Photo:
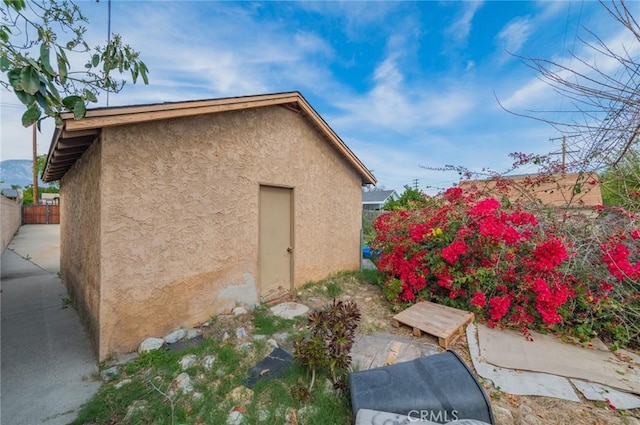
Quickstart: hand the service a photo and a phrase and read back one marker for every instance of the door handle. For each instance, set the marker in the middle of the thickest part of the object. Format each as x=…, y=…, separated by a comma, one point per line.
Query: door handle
x=289, y=250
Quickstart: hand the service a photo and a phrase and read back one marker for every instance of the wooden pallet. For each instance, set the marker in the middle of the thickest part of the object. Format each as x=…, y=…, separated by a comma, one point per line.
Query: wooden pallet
x=445, y=323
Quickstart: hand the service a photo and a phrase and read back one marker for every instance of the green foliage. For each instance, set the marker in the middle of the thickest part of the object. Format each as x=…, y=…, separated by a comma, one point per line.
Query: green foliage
x=37, y=60
x=332, y=333
x=333, y=289
x=147, y=399
x=372, y=276
x=367, y=229
x=620, y=184
x=268, y=324
x=411, y=199
x=27, y=194
x=392, y=289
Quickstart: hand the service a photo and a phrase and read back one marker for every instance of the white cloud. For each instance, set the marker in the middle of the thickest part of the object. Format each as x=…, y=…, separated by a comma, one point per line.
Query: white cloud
x=461, y=28
x=393, y=106
x=515, y=34
x=537, y=94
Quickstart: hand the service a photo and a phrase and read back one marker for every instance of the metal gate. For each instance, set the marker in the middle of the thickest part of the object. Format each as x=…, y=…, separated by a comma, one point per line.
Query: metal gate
x=41, y=214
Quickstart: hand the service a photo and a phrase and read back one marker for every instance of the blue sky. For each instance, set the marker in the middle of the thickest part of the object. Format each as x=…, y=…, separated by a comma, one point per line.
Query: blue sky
x=406, y=85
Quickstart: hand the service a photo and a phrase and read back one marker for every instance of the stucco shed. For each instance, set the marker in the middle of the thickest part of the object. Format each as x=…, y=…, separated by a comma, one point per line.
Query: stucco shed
x=174, y=212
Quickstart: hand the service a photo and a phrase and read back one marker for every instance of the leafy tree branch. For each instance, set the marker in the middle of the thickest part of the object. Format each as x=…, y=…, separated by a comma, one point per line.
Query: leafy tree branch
x=38, y=39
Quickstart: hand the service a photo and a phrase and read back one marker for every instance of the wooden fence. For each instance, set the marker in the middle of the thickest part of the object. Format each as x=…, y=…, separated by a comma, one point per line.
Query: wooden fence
x=41, y=214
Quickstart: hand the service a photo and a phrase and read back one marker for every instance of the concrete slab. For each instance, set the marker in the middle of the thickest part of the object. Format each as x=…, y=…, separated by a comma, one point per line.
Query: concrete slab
x=597, y=392
x=371, y=351
x=40, y=244
x=518, y=382
x=289, y=310
x=48, y=368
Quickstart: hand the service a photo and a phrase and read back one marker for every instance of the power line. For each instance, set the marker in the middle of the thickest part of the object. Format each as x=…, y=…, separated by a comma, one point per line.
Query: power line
x=564, y=150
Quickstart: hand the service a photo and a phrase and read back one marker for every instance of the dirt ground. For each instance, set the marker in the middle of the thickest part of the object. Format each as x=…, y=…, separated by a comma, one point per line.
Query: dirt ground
x=508, y=409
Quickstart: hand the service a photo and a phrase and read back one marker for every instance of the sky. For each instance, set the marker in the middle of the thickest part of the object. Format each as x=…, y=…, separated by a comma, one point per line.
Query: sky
x=408, y=86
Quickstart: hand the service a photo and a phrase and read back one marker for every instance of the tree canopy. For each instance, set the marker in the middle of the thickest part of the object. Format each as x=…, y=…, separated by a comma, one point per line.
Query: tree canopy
x=39, y=38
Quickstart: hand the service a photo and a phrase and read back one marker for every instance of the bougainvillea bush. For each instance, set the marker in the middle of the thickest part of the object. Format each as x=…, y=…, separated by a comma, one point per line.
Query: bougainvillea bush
x=513, y=267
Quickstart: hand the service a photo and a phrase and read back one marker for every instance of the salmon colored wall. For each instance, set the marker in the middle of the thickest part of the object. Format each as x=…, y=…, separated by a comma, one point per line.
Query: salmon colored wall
x=80, y=240
x=178, y=214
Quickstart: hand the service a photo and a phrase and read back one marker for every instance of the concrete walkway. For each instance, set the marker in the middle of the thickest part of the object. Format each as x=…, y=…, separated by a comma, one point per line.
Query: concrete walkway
x=48, y=367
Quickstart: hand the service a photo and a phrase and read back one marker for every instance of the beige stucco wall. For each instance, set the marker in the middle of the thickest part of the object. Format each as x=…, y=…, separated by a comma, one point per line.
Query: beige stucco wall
x=179, y=210
x=10, y=220
x=80, y=237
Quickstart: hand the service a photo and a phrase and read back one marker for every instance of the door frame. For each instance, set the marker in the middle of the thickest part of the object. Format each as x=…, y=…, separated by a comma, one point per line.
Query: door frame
x=291, y=235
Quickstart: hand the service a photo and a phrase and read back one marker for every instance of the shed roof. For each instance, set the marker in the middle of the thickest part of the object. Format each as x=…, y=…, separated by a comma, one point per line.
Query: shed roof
x=73, y=138
x=9, y=193
x=376, y=196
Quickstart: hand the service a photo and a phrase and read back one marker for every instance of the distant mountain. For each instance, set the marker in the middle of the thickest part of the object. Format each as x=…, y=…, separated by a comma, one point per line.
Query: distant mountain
x=17, y=172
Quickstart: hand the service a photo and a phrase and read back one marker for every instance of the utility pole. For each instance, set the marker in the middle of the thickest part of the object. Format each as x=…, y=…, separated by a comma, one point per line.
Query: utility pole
x=415, y=184
x=563, y=152
x=35, y=166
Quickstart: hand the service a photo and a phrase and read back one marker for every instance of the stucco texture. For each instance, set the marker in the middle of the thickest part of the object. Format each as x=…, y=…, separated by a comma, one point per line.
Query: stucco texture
x=80, y=243
x=10, y=219
x=178, y=216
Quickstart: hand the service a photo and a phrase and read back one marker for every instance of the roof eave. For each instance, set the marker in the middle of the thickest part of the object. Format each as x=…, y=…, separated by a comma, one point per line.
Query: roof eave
x=83, y=132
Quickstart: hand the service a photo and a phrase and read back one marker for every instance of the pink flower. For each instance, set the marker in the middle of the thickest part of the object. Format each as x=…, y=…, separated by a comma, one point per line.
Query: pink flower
x=499, y=306
x=479, y=299
x=484, y=208
x=452, y=252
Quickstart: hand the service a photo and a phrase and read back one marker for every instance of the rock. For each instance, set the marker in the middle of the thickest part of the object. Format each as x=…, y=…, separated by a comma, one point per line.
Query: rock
x=272, y=342
x=197, y=396
x=241, y=333
x=208, y=362
x=263, y=415
x=502, y=415
x=111, y=373
x=245, y=346
x=225, y=336
x=122, y=383
x=630, y=420
x=240, y=395
x=239, y=311
x=235, y=418
x=183, y=383
x=193, y=333
x=188, y=361
x=175, y=336
x=289, y=310
x=205, y=324
x=259, y=337
x=305, y=412
x=281, y=337
x=525, y=408
x=530, y=419
x=137, y=406
x=328, y=386
x=290, y=417
x=150, y=344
